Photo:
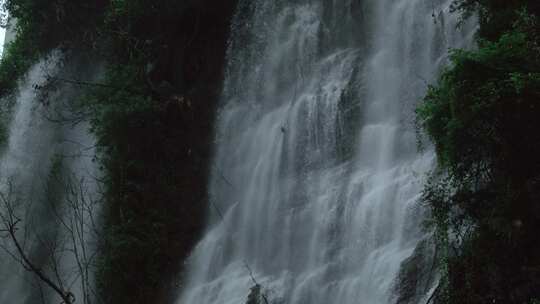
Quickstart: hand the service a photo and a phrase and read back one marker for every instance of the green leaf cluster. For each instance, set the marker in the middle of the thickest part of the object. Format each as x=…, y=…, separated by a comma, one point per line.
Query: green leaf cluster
x=482, y=117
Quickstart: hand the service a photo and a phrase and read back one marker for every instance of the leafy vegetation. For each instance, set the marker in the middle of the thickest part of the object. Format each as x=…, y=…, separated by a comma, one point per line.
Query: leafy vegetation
x=17, y=58
x=42, y=25
x=153, y=121
x=482, y=117
x=154, y=212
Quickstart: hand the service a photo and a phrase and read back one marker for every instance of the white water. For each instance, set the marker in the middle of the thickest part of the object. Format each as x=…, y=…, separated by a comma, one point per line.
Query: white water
x=316, y=171
x=55, y=206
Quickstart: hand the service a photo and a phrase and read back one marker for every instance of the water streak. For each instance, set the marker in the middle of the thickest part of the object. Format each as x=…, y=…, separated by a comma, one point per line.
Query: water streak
x=47, y=172
x=316, y=170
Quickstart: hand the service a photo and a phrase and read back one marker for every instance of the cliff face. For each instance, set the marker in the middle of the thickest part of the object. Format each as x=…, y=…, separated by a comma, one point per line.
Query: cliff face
x=170, y=145
x=192, y=62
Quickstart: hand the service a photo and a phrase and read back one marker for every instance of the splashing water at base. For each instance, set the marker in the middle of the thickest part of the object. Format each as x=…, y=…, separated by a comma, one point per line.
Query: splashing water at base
x=316, y=171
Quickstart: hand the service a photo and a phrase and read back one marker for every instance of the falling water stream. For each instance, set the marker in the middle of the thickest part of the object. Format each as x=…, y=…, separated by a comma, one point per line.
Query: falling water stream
x=48, y=175
x=316, y=178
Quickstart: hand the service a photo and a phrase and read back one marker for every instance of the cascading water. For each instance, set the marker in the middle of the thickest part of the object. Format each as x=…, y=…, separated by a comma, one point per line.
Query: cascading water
x=317, y=176
x=48, y=176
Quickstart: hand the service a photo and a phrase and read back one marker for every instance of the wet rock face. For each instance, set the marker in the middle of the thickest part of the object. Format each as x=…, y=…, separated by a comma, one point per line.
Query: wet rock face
x=185, y=72
x=190, y=62
x=192, y=44
x=417, y=275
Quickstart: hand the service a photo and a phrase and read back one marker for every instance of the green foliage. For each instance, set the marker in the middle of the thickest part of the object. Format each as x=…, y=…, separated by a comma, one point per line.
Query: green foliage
x=56, y=22
x=42, y=25
x=148, y=141
x=18, y=56
x=118, y=114
x=482, y=117
x=495, y=16
x=151, y=220
x=473, y=98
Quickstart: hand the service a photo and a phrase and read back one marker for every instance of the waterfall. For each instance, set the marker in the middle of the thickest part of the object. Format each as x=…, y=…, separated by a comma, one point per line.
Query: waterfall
x=48, y=175
x=317, y=177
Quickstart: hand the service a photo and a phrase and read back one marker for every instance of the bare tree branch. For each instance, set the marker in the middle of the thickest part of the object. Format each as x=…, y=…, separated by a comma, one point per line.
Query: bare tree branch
x=77, y=227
